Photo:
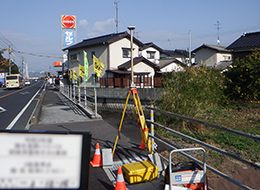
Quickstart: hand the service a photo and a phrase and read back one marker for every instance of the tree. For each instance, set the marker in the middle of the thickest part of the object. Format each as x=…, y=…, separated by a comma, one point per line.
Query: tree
x=243, y=79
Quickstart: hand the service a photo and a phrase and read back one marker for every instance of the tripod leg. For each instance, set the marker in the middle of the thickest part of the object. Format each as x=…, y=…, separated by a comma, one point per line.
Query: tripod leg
x=121, y=122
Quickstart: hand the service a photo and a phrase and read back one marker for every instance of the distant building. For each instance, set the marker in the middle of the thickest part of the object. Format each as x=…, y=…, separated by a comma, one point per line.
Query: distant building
x=245, y=45
x=213, y=56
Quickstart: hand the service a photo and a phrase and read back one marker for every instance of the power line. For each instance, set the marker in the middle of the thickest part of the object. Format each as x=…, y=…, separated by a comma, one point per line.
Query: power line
x=38, y=55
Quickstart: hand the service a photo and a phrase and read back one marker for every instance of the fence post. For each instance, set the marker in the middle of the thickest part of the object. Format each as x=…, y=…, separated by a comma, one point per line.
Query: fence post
x=74, y=95
x=85, y=92
x=71, y=91
x=152, y=127
x=79, y=96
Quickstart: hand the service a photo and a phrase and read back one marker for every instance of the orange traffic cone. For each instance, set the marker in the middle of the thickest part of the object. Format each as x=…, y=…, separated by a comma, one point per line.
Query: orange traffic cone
x=142, y=146
x=97, y=160
x=120, y=182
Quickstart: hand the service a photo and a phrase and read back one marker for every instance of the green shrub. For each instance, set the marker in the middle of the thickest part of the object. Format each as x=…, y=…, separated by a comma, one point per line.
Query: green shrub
x=192, y=92
x=243, y=79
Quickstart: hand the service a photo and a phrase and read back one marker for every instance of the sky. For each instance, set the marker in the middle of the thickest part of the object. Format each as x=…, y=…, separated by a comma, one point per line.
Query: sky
x=34, y=26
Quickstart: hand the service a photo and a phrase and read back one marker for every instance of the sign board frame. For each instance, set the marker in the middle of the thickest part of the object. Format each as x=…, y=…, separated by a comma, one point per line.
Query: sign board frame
x=17, y=139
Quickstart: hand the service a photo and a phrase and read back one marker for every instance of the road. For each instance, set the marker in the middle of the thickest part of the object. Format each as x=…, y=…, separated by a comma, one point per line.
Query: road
x=17, y=105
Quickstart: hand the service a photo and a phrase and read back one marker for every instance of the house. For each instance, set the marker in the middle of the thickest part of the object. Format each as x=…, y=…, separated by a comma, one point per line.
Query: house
x=212, y=55
x=170, y=65
x=245, y=45
x=114, y=51
x=144, y=71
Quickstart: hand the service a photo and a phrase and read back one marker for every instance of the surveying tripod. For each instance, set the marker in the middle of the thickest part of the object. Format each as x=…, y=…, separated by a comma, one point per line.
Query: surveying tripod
x=140, y=119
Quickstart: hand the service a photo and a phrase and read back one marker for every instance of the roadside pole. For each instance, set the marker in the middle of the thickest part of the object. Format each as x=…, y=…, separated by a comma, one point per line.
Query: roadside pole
x=95, y=93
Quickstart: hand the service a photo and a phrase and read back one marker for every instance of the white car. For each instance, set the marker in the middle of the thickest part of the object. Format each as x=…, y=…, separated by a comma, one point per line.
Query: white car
x=27, y=82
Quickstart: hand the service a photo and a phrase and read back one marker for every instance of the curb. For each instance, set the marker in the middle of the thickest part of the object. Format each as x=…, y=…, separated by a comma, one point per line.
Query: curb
x=38, y=108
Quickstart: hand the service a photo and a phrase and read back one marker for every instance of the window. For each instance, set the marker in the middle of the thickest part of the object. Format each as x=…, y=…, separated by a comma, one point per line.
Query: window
x=150, y=54
x=126, y=53
x=73, y=57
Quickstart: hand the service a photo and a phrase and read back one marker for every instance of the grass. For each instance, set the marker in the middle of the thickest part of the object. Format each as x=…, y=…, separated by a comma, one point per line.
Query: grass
x=243, y=117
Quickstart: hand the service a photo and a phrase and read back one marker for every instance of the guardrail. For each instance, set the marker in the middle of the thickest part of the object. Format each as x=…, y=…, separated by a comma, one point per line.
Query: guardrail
x=82, y=99
x=255, y=137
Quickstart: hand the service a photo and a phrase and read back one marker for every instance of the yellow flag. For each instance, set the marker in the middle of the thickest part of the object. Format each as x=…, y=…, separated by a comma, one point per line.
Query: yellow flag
x=75, y=75
x=70, y=74
x=98, y=66
x=81, y=71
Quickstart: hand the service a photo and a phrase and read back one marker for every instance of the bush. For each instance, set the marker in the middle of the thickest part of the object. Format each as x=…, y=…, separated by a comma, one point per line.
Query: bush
x=243, y=79
x=191, y=92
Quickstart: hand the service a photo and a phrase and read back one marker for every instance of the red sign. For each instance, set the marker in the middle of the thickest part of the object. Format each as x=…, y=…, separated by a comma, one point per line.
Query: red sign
x=68, y=21
x=57, y=64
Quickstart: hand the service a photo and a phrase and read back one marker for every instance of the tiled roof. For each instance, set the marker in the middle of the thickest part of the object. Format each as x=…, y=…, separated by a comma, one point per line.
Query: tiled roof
x=106, y=39
x=150, y=44
x=137, y=60
x=250, y=40
x=164, y=62
x=176, y=53
x=213, y=47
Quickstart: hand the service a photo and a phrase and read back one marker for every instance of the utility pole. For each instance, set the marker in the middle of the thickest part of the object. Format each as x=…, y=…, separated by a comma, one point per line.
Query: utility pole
x=9, y=49
x=189, y=64
x=116, y=3
x=217, y=25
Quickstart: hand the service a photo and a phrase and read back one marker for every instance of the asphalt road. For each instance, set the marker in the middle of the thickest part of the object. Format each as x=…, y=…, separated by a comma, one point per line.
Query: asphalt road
x=17, y=106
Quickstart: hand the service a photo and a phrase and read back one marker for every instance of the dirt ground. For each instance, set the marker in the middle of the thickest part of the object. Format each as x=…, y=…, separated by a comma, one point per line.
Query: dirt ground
x=242, y=173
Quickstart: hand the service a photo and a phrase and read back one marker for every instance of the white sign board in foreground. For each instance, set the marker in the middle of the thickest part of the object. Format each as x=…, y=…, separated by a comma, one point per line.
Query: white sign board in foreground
x=41, y=160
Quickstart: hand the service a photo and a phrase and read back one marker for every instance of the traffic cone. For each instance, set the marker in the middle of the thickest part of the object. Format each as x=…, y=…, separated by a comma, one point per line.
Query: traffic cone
x=97, y=160
x=120, y=182
x=142, y=146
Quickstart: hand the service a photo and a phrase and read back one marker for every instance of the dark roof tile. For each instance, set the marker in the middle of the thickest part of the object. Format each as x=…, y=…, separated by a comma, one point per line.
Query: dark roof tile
x=250, y=40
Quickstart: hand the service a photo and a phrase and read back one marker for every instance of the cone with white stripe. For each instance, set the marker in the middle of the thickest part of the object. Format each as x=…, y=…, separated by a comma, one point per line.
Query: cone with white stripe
x=97, y=160
x=120, y=182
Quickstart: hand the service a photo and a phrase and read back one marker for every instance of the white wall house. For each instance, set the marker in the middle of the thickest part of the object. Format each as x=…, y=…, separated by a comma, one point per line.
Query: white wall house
x=212, y=55
x=113, y=50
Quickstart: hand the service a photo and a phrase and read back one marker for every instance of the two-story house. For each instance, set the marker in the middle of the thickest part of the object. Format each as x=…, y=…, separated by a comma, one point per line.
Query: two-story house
x=114, y=51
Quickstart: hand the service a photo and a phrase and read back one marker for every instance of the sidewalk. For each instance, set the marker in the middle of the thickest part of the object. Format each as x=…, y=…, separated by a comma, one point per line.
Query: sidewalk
x=60, y=115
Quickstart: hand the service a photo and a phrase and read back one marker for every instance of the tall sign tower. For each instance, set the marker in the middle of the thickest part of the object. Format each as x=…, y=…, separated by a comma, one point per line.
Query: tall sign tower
x=68, y=32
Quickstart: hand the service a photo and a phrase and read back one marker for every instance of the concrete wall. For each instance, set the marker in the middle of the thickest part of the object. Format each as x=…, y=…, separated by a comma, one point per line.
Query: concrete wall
x=145, y=94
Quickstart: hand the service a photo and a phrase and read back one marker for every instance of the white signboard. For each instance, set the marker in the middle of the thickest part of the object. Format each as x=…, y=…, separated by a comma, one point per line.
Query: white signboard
x=40, y=161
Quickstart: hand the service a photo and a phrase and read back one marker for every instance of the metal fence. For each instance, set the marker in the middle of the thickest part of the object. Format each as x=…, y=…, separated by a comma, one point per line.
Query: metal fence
x=254, y=137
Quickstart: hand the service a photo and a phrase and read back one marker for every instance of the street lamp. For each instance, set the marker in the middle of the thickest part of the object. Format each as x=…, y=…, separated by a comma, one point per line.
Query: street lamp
x=131, y=28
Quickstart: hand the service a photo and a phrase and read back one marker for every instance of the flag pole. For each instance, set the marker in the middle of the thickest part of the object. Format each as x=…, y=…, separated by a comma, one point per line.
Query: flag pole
x=79, y=89
x=95, y=93
x=85, y=90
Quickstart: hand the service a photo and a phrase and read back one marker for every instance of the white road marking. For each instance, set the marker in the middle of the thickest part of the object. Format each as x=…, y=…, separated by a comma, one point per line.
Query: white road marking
x=2, y=109
x=10, y=126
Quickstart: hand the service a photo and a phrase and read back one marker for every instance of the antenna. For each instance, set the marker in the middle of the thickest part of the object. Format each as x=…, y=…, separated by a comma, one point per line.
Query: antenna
x=217, y=25
x=116, y=3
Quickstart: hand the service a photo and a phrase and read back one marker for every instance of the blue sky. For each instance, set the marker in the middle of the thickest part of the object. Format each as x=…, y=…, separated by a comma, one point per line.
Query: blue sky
x=34, y=26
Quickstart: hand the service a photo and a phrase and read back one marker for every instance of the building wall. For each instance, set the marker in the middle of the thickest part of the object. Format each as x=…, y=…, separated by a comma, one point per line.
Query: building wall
x=116, y=52
x=142, y=67
x=206, y=56
x=172, y=67
x=224, y=57
x=156, y=56
x=101, y=52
